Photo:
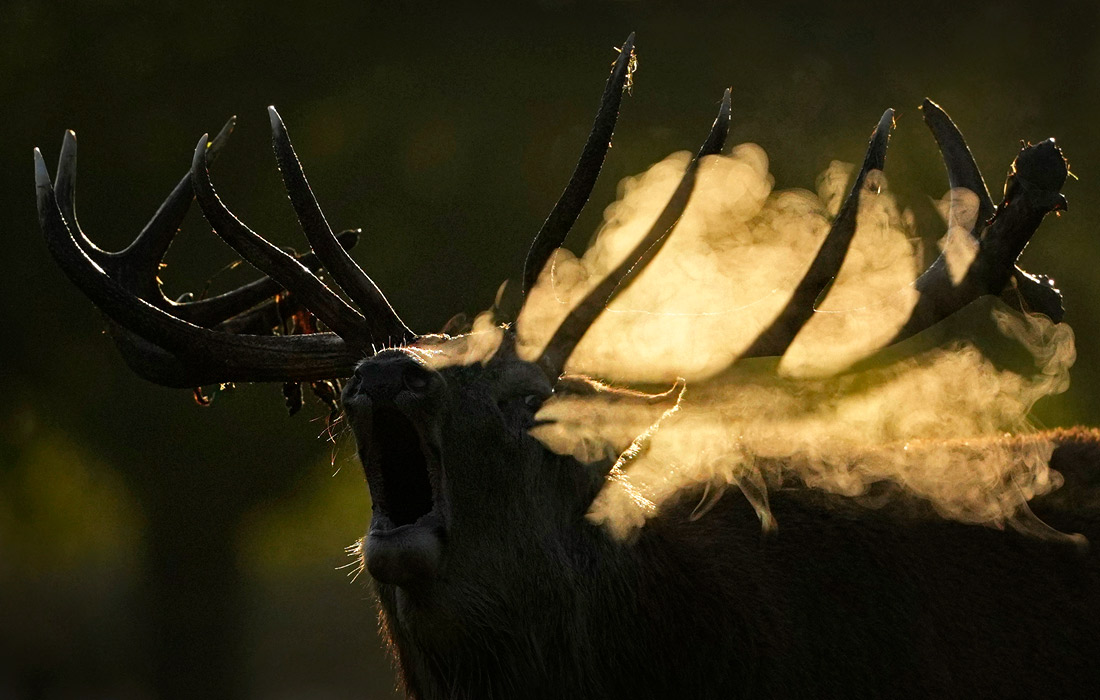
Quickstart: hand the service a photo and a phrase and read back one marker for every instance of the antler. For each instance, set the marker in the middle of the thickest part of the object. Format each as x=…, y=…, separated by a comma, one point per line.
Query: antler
x=226, y=338
x=999, y=234
x=573, y=327
x=1032, y=191
x=1037, y=291
x=776, y=338
x=568, y=207
x=137, y=266
x=382, y=320
x=229, y=337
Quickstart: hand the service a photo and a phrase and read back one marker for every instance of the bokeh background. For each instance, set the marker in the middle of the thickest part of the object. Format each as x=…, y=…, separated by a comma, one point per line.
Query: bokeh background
x=152, y=548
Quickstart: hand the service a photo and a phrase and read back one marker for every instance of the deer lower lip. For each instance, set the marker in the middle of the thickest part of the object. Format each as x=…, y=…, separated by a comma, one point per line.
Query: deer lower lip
x=405, y=555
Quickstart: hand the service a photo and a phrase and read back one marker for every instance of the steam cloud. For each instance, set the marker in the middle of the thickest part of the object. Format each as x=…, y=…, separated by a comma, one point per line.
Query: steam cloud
x=930, y=423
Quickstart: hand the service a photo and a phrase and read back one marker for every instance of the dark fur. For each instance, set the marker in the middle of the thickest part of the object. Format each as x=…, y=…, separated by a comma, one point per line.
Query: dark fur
x=841, y=601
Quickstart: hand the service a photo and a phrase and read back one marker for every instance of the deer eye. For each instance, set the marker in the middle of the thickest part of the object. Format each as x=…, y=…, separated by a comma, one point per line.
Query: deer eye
x=532, y=401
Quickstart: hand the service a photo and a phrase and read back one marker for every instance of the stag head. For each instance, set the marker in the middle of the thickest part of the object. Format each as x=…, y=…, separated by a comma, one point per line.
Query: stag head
x=473, y=517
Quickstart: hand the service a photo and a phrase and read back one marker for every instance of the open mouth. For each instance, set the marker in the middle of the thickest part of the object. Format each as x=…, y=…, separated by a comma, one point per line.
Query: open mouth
x=405, y=544
x=406, y=489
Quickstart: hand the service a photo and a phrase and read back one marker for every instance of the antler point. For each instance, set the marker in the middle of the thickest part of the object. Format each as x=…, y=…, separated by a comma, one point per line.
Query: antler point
x=41, y=173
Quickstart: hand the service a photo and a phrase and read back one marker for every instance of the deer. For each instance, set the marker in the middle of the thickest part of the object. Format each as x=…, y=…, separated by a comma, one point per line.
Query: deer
x=491, y=578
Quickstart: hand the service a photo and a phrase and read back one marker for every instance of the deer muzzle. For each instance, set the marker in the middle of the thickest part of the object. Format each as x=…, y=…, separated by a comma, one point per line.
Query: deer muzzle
x=394, y=403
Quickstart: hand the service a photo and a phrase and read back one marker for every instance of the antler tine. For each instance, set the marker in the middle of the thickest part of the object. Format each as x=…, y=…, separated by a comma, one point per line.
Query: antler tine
x=1034, y=293
x=569, y=205
x=384, y=323
x=962, y=170
x=568, y=335
x=1038, y=293
x=135, y=268
x=284, y=269
x=777, y=337
x=65, y=186
x=144, y=255
x=1031, y=192
x=719, y=130
x=214, y=310
x=182, y=354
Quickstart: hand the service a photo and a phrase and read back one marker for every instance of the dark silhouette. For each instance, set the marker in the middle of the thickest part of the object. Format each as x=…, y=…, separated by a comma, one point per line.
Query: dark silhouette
x=491, y=582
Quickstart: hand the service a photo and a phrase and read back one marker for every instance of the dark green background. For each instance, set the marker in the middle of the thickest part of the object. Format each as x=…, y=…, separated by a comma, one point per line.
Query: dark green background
x=152, y=548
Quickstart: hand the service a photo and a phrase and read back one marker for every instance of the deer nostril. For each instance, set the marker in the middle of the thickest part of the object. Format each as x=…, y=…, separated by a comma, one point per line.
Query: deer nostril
x=415, y=379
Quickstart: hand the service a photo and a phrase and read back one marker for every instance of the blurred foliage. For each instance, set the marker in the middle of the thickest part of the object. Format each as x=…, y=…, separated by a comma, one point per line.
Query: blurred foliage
x=149, y=547
x=315, y=529
x=61, y=510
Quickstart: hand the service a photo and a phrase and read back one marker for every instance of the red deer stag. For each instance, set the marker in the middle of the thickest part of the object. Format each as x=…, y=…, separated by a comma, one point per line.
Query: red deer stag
x=491, y=580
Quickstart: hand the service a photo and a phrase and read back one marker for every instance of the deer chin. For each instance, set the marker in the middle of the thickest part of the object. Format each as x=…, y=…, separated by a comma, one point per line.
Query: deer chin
x=404, y=546
x=406, y=555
